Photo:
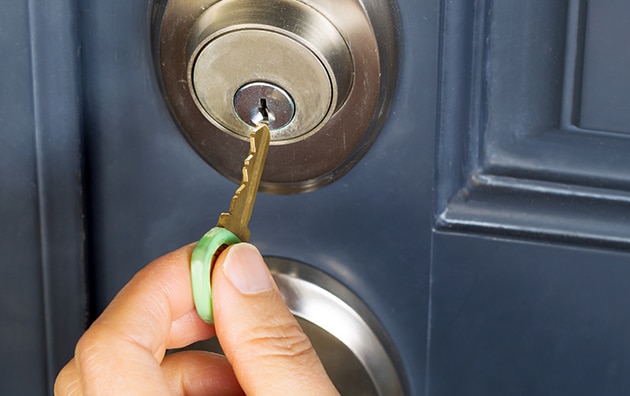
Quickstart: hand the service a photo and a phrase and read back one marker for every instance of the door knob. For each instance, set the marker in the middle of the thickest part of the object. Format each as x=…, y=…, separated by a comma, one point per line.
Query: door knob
x=320, y=72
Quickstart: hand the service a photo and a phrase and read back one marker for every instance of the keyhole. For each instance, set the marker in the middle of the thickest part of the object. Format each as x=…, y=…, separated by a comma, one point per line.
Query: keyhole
x=261, y=102
x=263, y=114
x=263, y=111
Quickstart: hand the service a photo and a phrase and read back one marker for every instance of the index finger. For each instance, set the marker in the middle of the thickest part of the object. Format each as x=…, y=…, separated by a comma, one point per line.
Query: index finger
x=152, y=313
x=155, y=309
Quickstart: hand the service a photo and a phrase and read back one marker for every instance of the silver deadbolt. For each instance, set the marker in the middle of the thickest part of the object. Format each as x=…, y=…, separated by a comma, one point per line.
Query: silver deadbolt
x=315, y=69
x=284, y=43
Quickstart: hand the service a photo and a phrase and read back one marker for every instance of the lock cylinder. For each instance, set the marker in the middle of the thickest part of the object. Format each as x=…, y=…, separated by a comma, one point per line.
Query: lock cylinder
x=263, y=102
x=245, y=54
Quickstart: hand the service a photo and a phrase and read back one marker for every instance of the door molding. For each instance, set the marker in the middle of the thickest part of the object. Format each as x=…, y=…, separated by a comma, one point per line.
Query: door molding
x=514, y=155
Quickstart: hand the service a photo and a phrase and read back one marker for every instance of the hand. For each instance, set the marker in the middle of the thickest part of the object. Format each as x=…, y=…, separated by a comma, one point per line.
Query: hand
x=123, y=352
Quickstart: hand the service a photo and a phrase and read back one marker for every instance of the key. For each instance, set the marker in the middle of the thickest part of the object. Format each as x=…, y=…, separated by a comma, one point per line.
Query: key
x=242, y=205
x=232, y=226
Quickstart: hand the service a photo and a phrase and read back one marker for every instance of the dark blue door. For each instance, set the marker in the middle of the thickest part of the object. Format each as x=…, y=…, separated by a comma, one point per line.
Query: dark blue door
x=487, y=228
x=529, y=270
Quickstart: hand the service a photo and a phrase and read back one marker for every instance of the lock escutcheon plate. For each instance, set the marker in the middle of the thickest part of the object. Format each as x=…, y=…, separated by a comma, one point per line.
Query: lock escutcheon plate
x=323, y=53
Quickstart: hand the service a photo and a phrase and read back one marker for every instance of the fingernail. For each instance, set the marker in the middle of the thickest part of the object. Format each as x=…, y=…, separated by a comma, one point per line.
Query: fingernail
x=245, y=268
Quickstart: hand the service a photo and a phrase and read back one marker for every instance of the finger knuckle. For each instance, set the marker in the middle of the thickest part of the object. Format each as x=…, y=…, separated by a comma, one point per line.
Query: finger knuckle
x=284, y=341
x=67, y=384
x=88, y=349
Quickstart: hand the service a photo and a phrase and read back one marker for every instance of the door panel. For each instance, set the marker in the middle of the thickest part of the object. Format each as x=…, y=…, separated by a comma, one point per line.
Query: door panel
x=605, y=80
x=532, y=184
x=486, y=228
x=522, y=318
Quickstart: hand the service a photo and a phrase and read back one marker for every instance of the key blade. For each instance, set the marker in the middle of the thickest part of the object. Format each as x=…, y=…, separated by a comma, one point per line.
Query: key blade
x=242, y=203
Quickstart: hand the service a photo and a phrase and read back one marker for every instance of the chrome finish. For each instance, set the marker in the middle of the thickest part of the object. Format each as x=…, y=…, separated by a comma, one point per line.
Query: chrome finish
x=263, y=102
x=335, y=58
x=346, y=335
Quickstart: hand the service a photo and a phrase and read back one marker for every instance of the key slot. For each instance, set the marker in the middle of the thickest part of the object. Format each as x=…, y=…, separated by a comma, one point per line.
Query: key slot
x=264, y=111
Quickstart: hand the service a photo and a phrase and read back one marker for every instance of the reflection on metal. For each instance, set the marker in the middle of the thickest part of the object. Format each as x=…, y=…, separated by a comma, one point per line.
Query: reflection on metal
x=345, y=334
x=335, y=60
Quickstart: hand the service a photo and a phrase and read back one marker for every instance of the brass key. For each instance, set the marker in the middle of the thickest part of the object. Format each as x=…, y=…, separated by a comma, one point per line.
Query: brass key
x=231, y=227
x=242, y=204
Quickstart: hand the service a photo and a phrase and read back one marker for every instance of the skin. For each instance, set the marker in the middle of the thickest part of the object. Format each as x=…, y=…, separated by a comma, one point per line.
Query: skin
x=123, y=352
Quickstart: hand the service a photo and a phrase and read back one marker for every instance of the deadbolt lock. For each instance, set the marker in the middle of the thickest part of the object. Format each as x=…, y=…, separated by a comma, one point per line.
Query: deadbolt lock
x=282, y=54
x=313, y=69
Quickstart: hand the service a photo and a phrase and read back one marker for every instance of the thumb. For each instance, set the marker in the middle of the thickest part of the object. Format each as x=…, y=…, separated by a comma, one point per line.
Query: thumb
x=268, y=350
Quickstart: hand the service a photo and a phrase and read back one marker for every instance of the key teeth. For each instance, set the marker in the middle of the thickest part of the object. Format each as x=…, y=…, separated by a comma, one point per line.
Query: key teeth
x=243, y=200
x=252, y=144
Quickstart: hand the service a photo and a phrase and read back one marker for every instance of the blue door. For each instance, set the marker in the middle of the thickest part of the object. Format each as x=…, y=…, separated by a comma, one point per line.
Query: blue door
x=487, y=228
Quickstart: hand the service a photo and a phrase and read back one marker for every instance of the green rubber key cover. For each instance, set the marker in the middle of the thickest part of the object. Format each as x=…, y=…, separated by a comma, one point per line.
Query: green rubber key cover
x=201, y=263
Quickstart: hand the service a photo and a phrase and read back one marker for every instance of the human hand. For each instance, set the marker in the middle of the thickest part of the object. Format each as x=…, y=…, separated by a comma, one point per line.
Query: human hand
x=123, y=352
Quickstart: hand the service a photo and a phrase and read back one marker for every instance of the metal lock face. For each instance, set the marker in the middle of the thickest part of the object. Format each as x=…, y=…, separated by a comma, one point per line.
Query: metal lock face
x=314, y=69
x=266, y=60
